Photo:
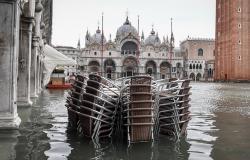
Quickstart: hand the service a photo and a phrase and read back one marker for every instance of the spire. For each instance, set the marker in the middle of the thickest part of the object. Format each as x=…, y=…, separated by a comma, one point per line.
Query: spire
x=153, y=32
x=87, y=32
x=98, y=30
x=79, y=44
x=142, y=35
x=127, y=21
x=157, y=37
x=171, y=46
x=172, y=34
x=87, y=36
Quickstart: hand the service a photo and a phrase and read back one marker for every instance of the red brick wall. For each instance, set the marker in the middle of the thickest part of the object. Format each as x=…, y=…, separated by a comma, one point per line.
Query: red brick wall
x=232, y=60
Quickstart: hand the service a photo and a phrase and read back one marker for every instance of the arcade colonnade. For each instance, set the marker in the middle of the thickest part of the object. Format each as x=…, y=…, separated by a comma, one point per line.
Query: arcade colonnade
x=22, y=40
x=116, y=68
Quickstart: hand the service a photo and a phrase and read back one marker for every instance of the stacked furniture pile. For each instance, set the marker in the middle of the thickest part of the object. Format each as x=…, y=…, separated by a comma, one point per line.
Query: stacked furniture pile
x=172, y=108
x=96, y=106
x=138, y=107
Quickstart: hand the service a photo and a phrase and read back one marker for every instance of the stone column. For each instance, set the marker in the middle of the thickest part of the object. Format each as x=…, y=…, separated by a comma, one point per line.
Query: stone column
x=33, y=78
x=9, y=38
x=37, y=73
x=38, y=10
x=23, y=81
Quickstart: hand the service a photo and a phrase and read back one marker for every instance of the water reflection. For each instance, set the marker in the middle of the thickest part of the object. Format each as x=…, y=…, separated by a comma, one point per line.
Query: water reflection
x=8, y=141
x=219, y=129
x=232, y=119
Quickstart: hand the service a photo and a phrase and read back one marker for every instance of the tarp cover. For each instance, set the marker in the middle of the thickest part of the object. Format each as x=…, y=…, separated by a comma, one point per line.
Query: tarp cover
x=52, y=59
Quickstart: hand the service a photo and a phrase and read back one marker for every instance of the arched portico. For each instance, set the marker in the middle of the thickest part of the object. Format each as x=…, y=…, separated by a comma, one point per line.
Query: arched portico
x=130, y=67
x=109, y=68
x=165, y=70
x=150, y=68
x=93, y=66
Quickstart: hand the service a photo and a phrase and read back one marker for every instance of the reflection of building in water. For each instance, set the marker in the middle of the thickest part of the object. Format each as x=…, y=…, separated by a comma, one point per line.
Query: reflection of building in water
x=130, y=54
x=199, y=58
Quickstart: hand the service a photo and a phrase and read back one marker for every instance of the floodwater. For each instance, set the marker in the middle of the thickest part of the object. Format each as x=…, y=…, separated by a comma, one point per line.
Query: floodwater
x=219, y=129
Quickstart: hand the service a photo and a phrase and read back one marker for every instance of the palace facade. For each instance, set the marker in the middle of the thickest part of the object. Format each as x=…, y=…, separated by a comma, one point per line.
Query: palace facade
x=199, y=58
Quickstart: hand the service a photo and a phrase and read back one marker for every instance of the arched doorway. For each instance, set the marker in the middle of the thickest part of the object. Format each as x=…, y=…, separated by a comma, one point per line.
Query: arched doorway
x=165, y=70
x=192, y=76
x=93, y=66
x=109, y=68
x=130, y=67
x=150, y=68
x=129, y=48
x=198, y=77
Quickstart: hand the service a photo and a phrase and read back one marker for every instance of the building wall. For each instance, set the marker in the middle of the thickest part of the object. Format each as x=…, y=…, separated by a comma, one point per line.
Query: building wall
x=199, y=67
x=47, y=19
x=128, y=54
x=232, y=40
x=72, y=53
x=146, y=56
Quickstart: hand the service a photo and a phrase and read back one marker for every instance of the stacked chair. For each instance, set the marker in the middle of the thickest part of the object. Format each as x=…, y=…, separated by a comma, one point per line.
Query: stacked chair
x=172, y=104
x=96, y=108
x=136, y=108
x=74, y=100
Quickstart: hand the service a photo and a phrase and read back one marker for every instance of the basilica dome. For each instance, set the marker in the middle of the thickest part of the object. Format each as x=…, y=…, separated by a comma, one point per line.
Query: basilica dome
x=153, y=39
x=97, y=37
x=125, y=30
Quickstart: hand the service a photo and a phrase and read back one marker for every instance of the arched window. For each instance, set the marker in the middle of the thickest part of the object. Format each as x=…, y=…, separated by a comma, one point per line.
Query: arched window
x=200, y=52
x=200, y=66
x=197, y=66
x=193, y=66
x=190, y=66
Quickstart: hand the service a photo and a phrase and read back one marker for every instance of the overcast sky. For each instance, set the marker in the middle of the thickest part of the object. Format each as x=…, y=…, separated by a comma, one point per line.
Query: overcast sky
x=71, y=19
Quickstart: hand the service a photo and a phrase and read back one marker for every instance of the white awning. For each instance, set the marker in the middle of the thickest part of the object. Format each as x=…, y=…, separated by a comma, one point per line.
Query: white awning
x=54, y=58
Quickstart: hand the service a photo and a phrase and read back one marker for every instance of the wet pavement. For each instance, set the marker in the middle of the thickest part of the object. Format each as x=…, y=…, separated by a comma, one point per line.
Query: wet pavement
x=219, y=129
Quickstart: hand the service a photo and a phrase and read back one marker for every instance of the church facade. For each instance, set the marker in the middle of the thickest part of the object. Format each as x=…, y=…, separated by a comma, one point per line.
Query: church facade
x=130, y=54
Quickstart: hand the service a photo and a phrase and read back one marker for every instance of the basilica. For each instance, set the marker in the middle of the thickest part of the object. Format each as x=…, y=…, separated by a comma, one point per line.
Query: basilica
x=131, y=54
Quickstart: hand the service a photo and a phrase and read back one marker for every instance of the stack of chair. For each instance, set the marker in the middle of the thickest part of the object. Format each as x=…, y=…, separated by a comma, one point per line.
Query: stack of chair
x=97, y=108
x=138, y=110
x=74, y=100
x=173, y=104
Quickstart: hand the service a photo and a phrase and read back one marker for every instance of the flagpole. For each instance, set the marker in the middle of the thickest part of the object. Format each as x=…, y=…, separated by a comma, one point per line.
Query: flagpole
x=102, y=69
x=171, y=47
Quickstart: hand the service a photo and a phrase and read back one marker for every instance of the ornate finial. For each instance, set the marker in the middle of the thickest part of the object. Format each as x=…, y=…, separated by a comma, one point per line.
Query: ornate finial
x=98, y=28
x=152, y=32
